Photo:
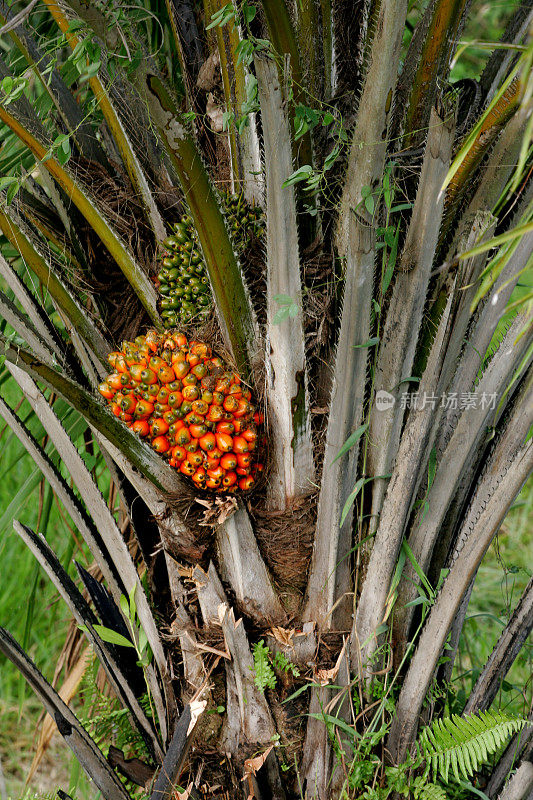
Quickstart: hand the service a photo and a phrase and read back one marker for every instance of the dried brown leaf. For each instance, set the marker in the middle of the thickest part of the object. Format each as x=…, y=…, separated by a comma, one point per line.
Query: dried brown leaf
x=283, y=635
x=325, y=676
x=253, y=765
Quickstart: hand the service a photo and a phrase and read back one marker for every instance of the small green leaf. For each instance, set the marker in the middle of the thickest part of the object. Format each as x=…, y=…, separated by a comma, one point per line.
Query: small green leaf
x=249, y=12
x=75, y=25
x=143, y=640
x=301, y=690
x=288, y=308
x=133, y=604
x=124, y=605
x=391, y=263
x=300, y=175
x=389, y=234
x=111, y=636
x=331, y=157
x=11, y=192
x=387, y=193
x=281, y=315
x=350, y=441
x=417, y=568
x=62, y=157
x=7, y=84
x=283, y=299
x=370, y=204
x=222, y=16
x=7, y=180
x=351, y=499
x=227, y=118
x=281, y=662
x=418, y=601
x=264, y=675
x=432, y=467
x=369, y=343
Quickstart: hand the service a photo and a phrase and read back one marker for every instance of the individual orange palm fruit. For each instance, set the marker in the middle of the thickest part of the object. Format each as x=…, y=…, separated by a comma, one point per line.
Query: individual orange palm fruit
x=200, y=477
x=216, y=473
x=250, y=433
x=148, y=376
x=143, y=409
x=197, y=429
x=179, y=453
x=159, y=427
x=106, y=391
x=166, y=374
x=128, y=404
x=114, y=381
x=141, y=427
x=215, y=414
x=229, y=479
x=186, y=468
x=192, y=407
x=196, y=458
x=121, y=365
x=208, y=442
x=240, y=445
x=210, y=462
x=161, y=444
x=224, y=442
x=136, y=371
x=229, y=461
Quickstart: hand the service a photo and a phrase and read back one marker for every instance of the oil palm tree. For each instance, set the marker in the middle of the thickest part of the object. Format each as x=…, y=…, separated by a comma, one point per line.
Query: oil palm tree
x=314, y=610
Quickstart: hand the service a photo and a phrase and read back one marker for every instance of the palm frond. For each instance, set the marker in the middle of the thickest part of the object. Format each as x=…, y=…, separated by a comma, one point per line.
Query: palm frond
x=85, y=618
x=287, y=393
x=83, y=747
x=503, y=655
x=396, y=359
x=510, y=456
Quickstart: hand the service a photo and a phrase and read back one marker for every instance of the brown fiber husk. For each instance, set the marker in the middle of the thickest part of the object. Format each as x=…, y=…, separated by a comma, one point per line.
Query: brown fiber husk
x=286, y=540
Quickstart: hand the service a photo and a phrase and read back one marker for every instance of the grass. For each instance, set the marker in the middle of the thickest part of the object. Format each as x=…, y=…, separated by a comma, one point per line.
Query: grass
x=502, y=577
x=30, y=610
x=486, y=22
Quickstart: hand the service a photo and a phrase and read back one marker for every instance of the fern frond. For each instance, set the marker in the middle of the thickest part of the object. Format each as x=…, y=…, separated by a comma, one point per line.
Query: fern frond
x=431, y=791
x=106, y=720
x=464, y=743
x=264, y=675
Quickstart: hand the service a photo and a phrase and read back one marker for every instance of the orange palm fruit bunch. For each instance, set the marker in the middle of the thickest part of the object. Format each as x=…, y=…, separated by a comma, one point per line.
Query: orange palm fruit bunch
x=191, y=406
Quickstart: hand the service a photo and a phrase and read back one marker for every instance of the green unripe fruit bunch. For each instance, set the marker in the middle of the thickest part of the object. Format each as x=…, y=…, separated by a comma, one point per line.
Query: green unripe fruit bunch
x=245, y=220
x=182, y=280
